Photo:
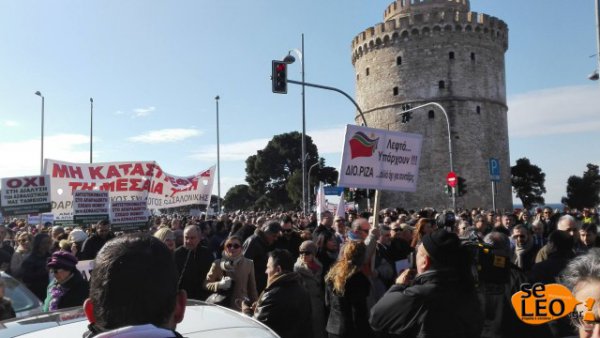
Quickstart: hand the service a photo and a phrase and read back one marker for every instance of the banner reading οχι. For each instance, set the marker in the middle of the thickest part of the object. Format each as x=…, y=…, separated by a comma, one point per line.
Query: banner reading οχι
x=25, y=195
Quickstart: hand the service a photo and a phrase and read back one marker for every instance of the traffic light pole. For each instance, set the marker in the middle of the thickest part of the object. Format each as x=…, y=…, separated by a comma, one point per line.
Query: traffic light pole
x=377, y=195
x=335, y=90
x=449, y=142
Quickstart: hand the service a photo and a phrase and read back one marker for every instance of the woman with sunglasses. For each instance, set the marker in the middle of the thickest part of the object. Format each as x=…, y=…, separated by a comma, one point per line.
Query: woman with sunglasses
x=68, y=288
x=235, y=271
x=23, y=250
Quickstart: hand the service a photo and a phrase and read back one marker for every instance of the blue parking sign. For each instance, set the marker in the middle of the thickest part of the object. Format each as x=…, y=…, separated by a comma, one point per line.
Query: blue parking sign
x=494, y=165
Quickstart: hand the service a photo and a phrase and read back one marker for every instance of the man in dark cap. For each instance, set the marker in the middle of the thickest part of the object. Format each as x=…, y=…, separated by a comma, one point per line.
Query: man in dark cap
x=437, y=303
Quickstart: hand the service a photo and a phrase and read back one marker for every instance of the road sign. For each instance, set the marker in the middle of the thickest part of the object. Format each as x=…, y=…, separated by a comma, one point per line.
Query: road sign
x=333, y=190
x=494, y=165
x=451, y=179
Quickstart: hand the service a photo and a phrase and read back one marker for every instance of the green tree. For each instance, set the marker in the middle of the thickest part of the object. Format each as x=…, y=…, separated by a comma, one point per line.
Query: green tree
x=583, y=192
x=238, y=197
x=528, y=182
x=269, y=171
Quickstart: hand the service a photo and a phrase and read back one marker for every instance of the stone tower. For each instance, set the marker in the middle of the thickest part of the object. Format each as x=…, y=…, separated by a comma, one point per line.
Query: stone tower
x=439, y=51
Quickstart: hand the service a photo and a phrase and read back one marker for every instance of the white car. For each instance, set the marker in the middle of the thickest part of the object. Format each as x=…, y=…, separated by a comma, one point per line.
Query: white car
x=24, y=302
x=201, y=320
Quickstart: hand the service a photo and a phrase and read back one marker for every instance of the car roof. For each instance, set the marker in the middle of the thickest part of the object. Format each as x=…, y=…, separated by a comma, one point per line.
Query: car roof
x=201, y=320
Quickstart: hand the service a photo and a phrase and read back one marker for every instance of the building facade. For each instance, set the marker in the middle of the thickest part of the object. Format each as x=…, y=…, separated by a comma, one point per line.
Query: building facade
x=439, y=51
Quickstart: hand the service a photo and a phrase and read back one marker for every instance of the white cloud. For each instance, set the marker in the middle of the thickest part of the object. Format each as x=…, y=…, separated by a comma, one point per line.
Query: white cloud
x=10, y=123
x=143, y=112
x=118, y=112
x=23, y=157
x=554, y=111
x=165, y=136
x=328, y=141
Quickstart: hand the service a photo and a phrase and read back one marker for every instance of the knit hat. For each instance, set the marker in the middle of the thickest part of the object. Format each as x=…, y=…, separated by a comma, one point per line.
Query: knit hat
x=308, y=246
x=77, y=235
x=63, y=260
x=442, y=246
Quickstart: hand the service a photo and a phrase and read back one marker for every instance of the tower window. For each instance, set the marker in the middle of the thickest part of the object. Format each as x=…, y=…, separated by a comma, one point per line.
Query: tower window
x=472, y=56
x=441, y=84
x=395, y=91
x=399, y=60
x=367, y=71
x=431, y=114
x=357, y=76
x=478, y=110
x=451, y=55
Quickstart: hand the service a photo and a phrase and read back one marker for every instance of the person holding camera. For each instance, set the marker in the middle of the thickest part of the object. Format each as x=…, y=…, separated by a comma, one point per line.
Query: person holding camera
x=436, y=300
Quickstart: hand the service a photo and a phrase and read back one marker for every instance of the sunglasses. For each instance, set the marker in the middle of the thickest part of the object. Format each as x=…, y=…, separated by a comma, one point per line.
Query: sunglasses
x=55, y=270
x=305, y=253
x=287, y=230
x=396, y=229
x=233, y=246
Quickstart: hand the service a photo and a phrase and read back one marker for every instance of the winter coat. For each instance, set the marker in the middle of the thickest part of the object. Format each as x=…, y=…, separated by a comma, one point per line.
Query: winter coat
x=284, y=306
x=35, y=274
x=244, y=283
x=433, y=306
x=193, y=267
x=348, y=313
x=257, y=249
x=76, y=290
x=92, y=245
x=313, y=282
x=17, y=260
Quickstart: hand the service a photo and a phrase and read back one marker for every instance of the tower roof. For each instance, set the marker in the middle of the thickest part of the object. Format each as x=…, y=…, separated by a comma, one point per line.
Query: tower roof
x=401, y=8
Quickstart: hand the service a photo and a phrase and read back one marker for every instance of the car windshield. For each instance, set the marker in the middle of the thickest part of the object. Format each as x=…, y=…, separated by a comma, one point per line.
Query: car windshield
x=22, y=299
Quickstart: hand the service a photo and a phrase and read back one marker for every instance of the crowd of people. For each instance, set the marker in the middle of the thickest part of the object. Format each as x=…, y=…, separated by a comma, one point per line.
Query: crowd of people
x=397, y=274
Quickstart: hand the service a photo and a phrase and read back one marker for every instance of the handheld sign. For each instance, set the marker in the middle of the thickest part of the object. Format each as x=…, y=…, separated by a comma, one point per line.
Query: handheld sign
x=380, y=159
x=25, y=195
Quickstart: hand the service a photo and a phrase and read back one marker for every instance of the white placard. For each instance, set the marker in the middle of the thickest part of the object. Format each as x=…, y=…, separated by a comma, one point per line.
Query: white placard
x=380, y=159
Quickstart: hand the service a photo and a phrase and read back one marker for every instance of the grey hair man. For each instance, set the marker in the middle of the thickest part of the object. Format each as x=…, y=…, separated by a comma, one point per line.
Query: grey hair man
x=566, y=223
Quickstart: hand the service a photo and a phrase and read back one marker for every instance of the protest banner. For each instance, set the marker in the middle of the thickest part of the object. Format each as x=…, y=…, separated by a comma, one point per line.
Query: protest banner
x=128, y=215
x=380, y=159
x=25, y=195
x=89, y=207
x=125, y=181
x=40, y=219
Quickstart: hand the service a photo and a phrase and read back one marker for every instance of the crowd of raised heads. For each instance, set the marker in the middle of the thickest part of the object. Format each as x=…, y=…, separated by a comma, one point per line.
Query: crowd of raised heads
x=350, y=275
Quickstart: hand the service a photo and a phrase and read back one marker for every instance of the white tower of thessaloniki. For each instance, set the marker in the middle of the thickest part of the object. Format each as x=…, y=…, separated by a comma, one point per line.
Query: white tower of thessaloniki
x=439, y=51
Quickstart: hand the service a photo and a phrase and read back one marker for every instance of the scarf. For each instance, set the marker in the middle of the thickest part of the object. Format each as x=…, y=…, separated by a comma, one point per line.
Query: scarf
x=520, y=251
x=57, y=292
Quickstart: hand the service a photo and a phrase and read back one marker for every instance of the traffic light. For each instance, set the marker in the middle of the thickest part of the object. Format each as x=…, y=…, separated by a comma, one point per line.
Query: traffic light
x=279, y=77
x=406, y=117
x=461, y=186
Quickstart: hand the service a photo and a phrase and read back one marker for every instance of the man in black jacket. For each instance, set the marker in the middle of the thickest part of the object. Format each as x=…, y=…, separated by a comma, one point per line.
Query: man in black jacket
x=436, y=303
x=94, y=243
x=193, y=263
x=256, y=248
x=284, y=306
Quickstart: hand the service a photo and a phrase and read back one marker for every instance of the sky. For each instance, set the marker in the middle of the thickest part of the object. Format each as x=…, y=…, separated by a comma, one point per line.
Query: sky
x=153, y=69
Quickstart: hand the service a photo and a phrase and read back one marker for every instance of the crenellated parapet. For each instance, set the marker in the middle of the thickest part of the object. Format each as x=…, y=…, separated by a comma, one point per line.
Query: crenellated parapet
x=401, y=8
x=424, y=24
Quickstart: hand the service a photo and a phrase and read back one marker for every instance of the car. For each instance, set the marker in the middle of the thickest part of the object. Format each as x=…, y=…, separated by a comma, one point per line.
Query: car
x=24, y=302
x=201, y=320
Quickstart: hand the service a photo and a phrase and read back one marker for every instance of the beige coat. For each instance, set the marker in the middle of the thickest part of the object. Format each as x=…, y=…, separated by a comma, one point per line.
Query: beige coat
x=244, y=283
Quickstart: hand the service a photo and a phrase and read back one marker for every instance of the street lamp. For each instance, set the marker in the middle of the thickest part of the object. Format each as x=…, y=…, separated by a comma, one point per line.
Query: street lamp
x=91, y=125
x=449, y=141
x=38, y=93
x=309, y=170
x=594, y=76
x=290, y=59
x=218, y=160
